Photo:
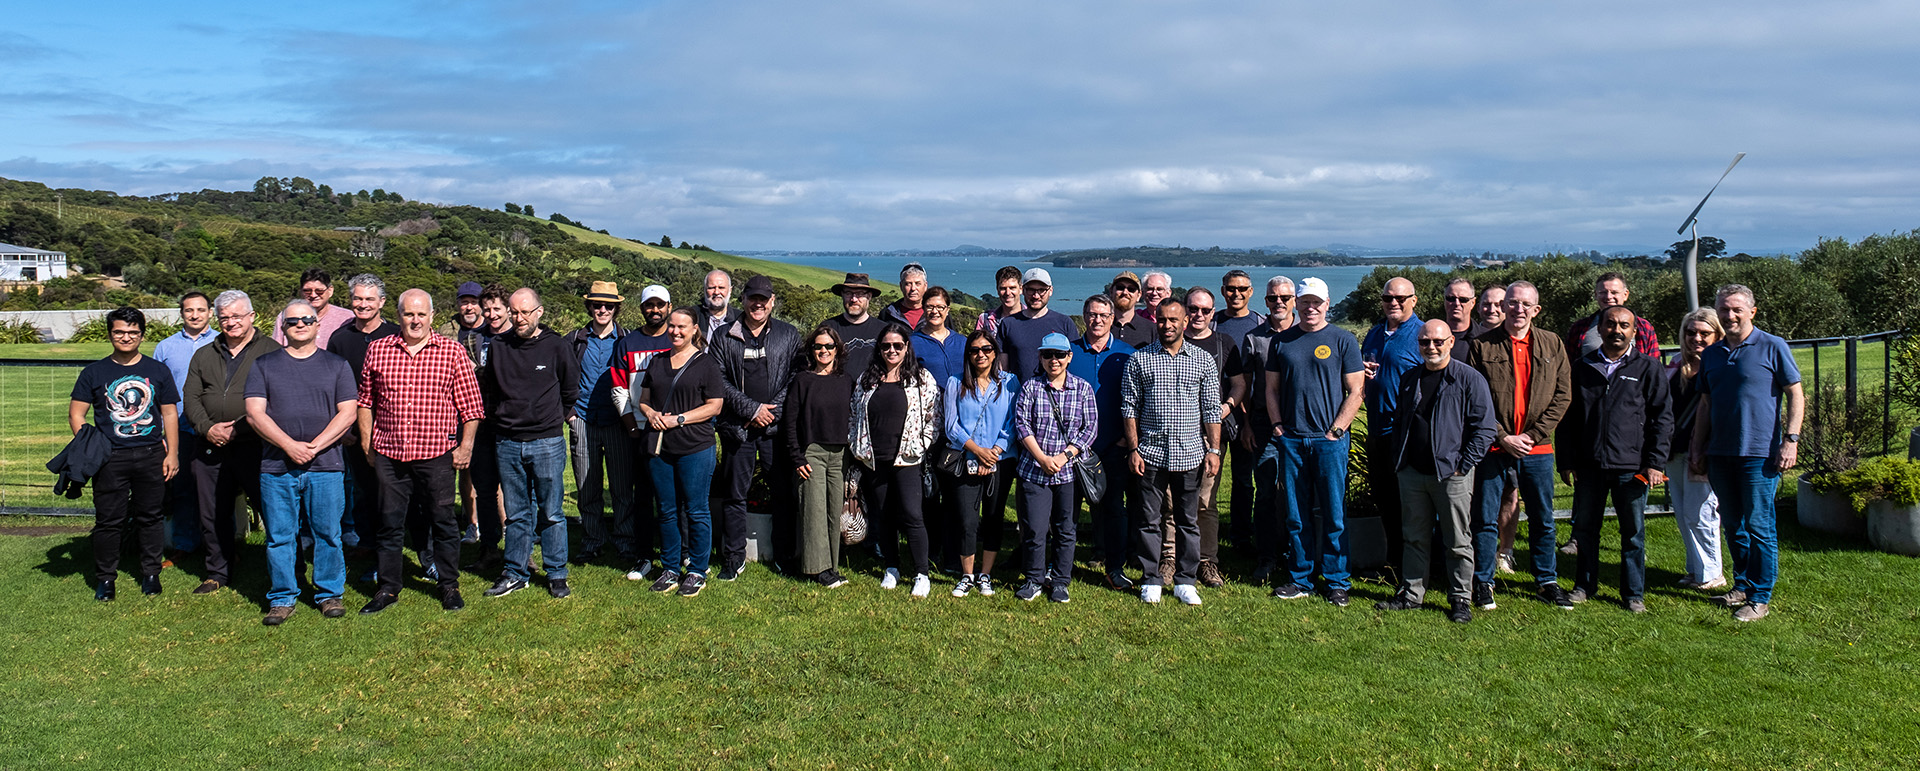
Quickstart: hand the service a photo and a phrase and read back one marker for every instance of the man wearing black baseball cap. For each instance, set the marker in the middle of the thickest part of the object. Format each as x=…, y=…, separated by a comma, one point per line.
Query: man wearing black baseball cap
x=756, y=354
x=466, y=321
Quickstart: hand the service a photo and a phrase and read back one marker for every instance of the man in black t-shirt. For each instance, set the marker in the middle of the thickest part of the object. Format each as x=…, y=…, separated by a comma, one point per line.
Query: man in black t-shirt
x=1233, y=390
x=756, y=353
x=367, y=296
x=133, y=398
x=856, y=328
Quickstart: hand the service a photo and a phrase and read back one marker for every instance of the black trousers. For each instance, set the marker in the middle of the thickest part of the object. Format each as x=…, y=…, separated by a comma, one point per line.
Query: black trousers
x=1240, y=527
x=485, y=473
x=1155, y=485
x=738, y=460
x=1383, y=479
x=1047, y=530
x=979, y=506
x=129, y=489
x=403, y=482
x=1110, y=514
x=220, y=475
x=893, y=498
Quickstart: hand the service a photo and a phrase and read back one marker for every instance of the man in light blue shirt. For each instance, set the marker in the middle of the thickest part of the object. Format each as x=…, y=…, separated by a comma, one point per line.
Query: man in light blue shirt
x=1100, y=358
x=196, y=330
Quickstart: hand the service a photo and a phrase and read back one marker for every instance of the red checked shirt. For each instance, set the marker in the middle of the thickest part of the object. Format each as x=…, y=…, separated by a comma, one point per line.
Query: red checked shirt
x=418, y=399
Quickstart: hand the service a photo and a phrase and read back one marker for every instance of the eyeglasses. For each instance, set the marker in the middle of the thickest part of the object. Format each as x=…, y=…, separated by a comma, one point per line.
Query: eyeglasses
x=932, y=308
x=824, y=346
x=299, y=321
x=893, y=346
x=1425, y=343
x=981, y=350
x=1458, y=299
x=1395, y=298
x=520, y=313
x=127, y=332
x=237, y=317
x=1098, y=315
x=1052, y=355
x=1279, y=298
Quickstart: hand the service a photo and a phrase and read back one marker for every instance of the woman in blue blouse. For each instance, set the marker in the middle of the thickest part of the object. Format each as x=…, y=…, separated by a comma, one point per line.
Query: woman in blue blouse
x=1054, y=421
x=939, y=350
x=979, y=423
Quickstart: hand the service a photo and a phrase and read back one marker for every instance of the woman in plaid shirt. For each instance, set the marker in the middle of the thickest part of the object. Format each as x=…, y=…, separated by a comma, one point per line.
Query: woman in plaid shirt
x=1054, y=420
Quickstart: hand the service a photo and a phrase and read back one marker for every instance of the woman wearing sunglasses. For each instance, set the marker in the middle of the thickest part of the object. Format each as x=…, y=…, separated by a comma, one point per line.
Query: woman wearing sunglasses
x=896, y=421
x=979, y=425
x=942, y=351
x=817, y=411
x=1054, y=420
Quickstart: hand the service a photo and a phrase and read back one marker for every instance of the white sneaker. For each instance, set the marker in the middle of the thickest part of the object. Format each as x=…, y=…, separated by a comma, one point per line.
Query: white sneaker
x=964, y=586
x=1150, y=594
x=921, y=586
x=1718, y=583
x=640, y=571
x=1503, y=564
x=1186, y=594
x=984, y=583
x=891, y=579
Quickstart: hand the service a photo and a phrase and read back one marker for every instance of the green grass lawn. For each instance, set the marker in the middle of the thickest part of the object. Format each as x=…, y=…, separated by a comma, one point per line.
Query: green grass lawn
x=768, y=673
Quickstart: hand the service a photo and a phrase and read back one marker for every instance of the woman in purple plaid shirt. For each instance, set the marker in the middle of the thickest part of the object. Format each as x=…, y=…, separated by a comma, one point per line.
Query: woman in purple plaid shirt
x=1054, y=420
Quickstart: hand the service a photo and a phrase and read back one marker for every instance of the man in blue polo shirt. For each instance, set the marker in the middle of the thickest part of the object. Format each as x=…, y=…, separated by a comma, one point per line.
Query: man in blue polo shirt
x=196, y=330
x=1100, y=358
x=1738, y=444
x=1390, y=351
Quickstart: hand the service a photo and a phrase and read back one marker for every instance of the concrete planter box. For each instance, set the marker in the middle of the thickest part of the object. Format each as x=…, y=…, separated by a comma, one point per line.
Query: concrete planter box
x=1892, y=527
x=1827, y=512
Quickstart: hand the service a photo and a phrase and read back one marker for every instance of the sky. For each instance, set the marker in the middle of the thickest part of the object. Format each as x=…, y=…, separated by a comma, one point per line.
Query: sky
x=869, y=124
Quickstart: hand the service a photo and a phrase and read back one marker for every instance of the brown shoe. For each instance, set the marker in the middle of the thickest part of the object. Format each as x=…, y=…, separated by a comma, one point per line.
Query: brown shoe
x=1210, y=575
x=278, y=615
x=208, y=586
x=1166, y=571
x=333, y=608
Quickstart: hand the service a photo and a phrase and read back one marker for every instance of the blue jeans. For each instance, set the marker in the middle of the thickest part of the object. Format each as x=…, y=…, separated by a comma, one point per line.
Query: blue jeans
x=683, y=481
x=319, y=499
x=1534, y=476
x=532, y=484
x=1745, y=487
x=1314, y=468
x=1590, y=492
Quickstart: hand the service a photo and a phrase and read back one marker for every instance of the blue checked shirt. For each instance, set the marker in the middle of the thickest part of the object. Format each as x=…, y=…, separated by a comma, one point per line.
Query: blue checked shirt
x=1173, y=396
x=1034, y=415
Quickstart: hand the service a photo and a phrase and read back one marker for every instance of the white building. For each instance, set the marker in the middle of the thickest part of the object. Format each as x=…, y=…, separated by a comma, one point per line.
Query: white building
x=18, y=263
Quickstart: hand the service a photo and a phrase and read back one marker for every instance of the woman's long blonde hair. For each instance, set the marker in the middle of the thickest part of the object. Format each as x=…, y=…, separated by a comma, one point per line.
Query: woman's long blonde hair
x=1690, y=363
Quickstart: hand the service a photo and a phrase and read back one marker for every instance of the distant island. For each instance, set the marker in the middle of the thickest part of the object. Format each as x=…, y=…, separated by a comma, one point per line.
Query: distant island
x=1183, y=257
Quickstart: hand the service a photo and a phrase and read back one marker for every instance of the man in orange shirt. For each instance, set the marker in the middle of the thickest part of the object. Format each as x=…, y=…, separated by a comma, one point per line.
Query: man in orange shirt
x=1531, y=379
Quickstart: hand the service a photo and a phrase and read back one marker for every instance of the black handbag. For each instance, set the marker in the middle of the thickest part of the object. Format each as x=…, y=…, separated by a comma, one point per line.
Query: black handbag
x=1086, y=466
x=950, y=461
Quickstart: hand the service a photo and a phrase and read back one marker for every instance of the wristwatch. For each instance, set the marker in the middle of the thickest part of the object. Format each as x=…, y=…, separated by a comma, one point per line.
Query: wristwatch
x=1338, y=432
x=1794, y=438
x=680, y=420
x=1213, y=451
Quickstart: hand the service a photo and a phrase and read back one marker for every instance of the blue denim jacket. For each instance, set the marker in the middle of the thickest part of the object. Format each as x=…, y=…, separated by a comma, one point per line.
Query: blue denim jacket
x=985, y=417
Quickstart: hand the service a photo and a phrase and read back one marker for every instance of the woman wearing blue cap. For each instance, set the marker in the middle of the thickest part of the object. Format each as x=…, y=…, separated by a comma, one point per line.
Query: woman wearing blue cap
x=1054, y=420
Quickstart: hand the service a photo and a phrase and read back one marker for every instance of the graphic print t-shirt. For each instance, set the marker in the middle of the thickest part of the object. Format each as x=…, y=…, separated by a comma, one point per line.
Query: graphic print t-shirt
x=126, y=399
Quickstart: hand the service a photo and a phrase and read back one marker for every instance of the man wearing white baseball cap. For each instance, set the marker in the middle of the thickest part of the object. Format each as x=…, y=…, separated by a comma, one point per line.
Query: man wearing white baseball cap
x=1313, y=394
x=630, y=358
x=1020, y=334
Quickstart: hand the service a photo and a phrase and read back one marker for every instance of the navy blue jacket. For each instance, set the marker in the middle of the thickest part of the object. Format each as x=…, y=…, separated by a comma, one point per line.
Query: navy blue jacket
x=1462, y=424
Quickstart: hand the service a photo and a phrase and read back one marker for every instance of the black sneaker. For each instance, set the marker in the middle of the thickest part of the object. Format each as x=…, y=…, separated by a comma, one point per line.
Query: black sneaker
x=1461, y=612
x=732, y=572
x=1028, y=591
x=504, y=587
x=1289, y=591
x=557, y=588
x=1338, y=597
x=667, y=582
x=103, y=591
x=1059, y=593
x=1118, y=581
x=1399, y=602
x=451, y=600
x=1553, y=595
x=150, y=585
x=830, y=579
x=1483, y=596
x=691, y=584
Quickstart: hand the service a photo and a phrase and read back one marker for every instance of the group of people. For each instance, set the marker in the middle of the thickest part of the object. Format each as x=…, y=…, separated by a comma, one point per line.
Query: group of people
x=355, y=432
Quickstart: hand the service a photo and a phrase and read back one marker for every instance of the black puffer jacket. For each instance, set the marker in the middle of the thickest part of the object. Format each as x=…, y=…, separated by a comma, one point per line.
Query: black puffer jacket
x=729, y=347
x=1618, y=423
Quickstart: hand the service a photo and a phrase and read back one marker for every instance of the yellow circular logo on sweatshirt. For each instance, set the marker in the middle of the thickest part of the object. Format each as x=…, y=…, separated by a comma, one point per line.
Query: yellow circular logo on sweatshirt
x=1322, y=352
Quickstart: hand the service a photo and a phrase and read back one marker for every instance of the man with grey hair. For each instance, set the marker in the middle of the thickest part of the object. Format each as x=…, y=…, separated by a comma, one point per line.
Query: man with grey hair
x=367, y=298
x=419, y=408
x=228, y=463
x=716, y=300
x=1155, y=288
x=906, y=311
x=1741, y=444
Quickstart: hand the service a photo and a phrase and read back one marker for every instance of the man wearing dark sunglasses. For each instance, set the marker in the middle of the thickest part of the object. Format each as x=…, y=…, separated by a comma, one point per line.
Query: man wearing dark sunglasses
x=756, y=354
x=1389, y=351
x=1257, y=532
x=1100, y=358
x=601, y=448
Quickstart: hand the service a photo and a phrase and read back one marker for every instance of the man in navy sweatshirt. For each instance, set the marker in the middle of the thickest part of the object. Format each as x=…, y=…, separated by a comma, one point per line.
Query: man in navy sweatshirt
x=531, y=381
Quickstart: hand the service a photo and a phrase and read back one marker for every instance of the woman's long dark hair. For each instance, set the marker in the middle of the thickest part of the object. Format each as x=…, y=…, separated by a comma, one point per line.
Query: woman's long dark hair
x=971, y=382
x=877, y=367
x=839, y=349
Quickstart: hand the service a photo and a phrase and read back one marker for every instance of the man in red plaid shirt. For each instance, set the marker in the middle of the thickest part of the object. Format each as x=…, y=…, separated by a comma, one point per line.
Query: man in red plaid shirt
x=419, y=408
x=1610, y=290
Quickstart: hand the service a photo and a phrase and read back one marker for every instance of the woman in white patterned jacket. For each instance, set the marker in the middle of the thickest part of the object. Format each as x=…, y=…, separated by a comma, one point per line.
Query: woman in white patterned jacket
x=895, y=424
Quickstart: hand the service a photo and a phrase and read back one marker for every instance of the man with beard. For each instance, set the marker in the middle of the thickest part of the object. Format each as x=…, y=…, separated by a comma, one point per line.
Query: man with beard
x=756, y=354
x=629, y=366
x=1131, y=323
x=906, y=311
x=1174, y=440
x=715, y=301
